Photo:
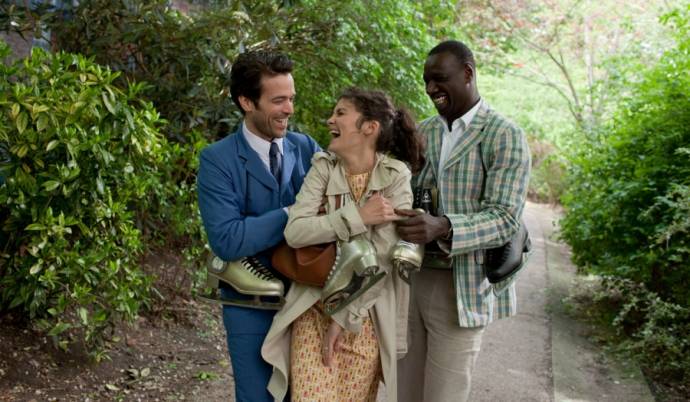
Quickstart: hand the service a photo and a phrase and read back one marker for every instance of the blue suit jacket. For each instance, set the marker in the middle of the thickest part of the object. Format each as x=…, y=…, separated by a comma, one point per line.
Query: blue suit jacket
x=241, y=203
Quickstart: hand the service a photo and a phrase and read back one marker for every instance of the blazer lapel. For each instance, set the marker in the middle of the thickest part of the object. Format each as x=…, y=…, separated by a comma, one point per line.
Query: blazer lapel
x=471, y=137
x=289, y=160
x=434, y=140
x=253, y=163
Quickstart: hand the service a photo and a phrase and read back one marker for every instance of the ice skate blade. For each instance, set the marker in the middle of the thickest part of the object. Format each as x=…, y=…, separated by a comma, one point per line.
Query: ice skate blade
x=276, y=290
x=336, y=302
x=405, y=270
x=255, y=303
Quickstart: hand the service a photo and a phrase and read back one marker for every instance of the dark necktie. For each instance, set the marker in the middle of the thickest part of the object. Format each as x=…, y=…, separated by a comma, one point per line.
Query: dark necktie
x=274, y=160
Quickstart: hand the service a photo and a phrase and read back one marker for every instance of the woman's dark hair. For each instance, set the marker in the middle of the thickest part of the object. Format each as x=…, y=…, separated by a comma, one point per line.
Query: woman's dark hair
x=398, y=135
x=250, y=67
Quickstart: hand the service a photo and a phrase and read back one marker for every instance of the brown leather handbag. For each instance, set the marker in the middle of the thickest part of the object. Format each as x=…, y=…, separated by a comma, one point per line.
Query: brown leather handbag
x=307, y=265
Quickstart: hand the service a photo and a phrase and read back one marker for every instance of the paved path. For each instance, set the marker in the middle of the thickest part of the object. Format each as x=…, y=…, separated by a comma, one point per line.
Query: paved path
x=515, y=361
x=541, y=354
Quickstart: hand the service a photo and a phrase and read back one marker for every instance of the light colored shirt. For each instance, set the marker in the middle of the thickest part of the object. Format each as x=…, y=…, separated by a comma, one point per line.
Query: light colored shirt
x=261, y=146
x=451, y=138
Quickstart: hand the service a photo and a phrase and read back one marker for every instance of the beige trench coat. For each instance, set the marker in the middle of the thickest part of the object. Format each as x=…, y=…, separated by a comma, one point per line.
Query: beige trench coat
x=386, y=302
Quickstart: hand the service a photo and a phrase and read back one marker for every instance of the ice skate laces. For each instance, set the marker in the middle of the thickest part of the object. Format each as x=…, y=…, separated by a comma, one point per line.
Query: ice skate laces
x=253, y=265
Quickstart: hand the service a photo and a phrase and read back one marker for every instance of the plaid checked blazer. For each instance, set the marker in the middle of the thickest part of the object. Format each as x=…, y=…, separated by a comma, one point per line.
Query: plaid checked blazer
x=483, y=196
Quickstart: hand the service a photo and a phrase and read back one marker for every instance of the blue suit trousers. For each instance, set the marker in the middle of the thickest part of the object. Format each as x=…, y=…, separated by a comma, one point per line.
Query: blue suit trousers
x=246, y=329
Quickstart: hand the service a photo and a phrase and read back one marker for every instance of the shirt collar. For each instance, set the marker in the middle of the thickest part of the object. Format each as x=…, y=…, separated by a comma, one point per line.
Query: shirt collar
x=466, y=118
x=258, y=144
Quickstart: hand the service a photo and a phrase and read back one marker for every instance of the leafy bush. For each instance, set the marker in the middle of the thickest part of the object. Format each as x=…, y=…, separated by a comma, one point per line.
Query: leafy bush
x=650, y=330
x=628, y=212
x=85, y=158
x=627, y=204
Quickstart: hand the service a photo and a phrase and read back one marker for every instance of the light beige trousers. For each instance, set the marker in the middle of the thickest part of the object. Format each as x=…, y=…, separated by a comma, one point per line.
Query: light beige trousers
x=441, y=355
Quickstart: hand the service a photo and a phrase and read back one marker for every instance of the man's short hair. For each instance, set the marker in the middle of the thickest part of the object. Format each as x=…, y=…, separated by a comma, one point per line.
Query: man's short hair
x=250, y=67
x=461, y=52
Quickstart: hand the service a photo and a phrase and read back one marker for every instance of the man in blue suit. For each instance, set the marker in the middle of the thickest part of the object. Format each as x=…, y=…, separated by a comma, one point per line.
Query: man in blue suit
x=245, y=184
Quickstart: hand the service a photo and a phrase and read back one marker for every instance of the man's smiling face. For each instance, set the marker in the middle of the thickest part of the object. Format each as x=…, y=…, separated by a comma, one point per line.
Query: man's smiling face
x=449, y=85
x=268, y=118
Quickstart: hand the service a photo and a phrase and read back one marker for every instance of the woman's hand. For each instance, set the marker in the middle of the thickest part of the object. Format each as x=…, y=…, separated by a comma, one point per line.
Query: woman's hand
x=377, y=210
x=332, y=343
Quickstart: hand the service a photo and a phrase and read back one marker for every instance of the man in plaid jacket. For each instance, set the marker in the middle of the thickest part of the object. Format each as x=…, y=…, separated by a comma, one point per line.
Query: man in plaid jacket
x=479, y=163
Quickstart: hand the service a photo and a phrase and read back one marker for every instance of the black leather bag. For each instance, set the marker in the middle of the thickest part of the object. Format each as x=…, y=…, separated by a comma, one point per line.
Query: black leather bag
x=503, y=262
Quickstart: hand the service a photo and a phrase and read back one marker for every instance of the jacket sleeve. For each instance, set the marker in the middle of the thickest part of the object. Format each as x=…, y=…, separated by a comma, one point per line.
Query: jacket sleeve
x=305, y=227
x=506, y=183
x=232, y=235
x=400, y=195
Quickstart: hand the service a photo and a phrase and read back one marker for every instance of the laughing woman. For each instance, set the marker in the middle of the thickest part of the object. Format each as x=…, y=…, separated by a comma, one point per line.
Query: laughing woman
x=343, y=356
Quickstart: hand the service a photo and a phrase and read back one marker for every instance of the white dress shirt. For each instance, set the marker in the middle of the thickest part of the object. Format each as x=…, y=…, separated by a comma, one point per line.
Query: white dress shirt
x=261, y=146
x=451, y=138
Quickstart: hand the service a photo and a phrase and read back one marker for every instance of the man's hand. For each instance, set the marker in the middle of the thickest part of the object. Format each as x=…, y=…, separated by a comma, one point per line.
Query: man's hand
x=332, y=343
x=377, y=210
x=421, y=228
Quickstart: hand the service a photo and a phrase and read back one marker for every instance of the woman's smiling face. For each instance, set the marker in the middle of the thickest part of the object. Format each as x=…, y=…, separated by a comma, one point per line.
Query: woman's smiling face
x=345, y=126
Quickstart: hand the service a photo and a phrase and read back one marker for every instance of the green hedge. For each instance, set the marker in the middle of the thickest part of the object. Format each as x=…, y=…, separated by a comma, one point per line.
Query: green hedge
x=85, y=159
x=627, y=207
x=628, y=210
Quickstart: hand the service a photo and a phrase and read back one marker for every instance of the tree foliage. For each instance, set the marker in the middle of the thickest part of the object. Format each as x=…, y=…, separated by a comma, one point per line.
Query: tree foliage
x=628, y=210
x=370, y=44
x=84, y=158
x=583, y=54
x=186, y=58
x=583, y=50
x=629, y=191
x=183, y=61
